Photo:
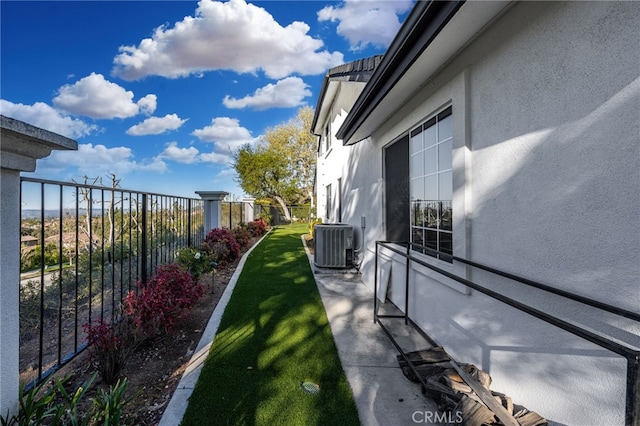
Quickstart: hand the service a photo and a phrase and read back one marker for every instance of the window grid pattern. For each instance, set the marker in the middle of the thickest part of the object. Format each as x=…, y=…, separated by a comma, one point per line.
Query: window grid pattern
x=431, y=150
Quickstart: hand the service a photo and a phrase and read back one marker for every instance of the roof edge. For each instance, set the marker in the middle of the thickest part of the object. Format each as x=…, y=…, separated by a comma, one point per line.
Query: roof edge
x=361, y=68
x=422, y=26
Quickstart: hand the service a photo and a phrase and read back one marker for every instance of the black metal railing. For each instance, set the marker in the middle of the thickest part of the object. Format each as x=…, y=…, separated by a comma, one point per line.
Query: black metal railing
x=632, y=355
x=233, y=214
x=83, y=248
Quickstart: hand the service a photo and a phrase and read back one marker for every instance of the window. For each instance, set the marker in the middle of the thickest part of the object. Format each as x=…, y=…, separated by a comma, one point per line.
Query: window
x=325, y=141
x=431, y=183
x=397, y=202
x=327, y=138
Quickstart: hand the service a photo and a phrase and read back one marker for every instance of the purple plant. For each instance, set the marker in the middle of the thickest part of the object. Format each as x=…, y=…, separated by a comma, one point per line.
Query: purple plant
x=222, y=245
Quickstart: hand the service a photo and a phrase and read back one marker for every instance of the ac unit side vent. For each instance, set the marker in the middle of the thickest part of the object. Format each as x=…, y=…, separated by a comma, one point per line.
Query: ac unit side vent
x=333, y=246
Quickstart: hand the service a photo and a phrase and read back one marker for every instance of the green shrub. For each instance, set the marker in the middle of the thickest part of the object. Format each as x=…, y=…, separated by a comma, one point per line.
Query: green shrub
x=312, y=226
x=195, y=261
x=51, y=403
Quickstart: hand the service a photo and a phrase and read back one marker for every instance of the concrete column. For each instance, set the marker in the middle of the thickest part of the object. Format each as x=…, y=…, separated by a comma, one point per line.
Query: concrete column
x=249, y=209
x=21, y=144
x=212, y=208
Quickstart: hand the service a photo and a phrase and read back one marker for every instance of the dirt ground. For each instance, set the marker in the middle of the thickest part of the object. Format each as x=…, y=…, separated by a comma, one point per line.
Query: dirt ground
x=156, y=367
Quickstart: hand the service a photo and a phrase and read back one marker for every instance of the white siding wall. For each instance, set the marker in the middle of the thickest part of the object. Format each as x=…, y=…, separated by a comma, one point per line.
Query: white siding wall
x=335, y=163
x=547, y=186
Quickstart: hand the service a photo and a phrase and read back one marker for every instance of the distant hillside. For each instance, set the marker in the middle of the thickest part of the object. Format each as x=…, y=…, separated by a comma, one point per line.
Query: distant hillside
x=35, y=213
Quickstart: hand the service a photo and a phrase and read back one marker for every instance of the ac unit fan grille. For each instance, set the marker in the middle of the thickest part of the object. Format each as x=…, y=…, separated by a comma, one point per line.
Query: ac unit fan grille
x=333, y=246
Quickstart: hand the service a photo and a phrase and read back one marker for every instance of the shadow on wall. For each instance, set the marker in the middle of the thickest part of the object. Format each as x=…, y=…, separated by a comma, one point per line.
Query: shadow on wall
x=558, y=204
x=363, y=194
x=564, y=196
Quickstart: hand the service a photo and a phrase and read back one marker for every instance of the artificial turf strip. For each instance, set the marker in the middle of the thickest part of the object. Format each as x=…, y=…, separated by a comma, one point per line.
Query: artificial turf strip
x=273, y=336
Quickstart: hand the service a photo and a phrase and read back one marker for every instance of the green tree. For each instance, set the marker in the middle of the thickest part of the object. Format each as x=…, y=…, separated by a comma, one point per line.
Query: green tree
x=32, y=259
x=281, y=165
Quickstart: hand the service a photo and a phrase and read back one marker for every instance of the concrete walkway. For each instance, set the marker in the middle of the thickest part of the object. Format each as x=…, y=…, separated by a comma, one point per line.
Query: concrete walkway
x=384, y=397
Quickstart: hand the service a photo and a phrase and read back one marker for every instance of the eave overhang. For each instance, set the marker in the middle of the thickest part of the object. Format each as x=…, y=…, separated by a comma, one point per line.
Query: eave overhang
x=358, y=71
x=431, y=35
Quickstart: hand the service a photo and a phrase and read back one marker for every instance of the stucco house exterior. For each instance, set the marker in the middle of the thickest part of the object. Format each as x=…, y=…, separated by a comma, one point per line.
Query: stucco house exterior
x=506, y=134
x=340, y=88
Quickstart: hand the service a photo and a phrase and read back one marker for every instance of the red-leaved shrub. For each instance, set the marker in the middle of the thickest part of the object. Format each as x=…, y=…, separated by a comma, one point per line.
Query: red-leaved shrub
x=222, y=245
x=110, y=345
x=166, y=297
x=257, y=228
x=243, y=236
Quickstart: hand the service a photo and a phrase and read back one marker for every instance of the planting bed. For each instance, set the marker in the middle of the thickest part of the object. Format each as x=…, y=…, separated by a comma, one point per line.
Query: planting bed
x=156, y=367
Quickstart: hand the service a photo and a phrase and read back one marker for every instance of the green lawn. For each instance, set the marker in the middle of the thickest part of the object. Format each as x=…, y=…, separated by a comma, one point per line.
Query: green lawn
x=274, y=335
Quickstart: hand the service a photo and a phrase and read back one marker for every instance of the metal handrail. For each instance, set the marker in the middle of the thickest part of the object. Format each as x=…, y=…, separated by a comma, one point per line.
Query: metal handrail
x=632, y=403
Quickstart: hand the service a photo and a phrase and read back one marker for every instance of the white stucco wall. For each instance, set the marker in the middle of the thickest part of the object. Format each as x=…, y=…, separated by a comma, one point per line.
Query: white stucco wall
x=547, y=186
x=333, y=164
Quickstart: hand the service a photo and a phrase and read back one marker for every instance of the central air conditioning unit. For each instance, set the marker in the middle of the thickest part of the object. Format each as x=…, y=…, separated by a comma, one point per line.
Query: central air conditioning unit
x=333, y=245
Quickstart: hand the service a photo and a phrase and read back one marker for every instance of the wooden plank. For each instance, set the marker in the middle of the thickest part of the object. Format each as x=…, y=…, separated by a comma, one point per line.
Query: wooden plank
x=485, y=395
x=473, y=412
x=425, y=356
x=531, y=418
x=505, y=400
x=481, y=376
x=424, y=370
x=456, y=386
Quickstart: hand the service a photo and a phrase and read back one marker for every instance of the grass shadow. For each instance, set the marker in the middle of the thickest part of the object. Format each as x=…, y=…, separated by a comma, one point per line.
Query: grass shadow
x=273, y=336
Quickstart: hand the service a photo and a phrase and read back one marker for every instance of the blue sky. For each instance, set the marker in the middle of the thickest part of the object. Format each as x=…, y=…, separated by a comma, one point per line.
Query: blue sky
x=162, y=92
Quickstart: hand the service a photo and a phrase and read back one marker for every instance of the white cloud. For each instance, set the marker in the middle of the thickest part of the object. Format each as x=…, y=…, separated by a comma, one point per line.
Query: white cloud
x=156, y=165
x=156, y=125
x=148, y=104
x=230, y=35
x=286, y=93
x=226, y=133
x=98, y=160
x=95, y=97
x=48, y=118
x=192, y=155
x=180, y=155
x=364, y=22
x=215, y=157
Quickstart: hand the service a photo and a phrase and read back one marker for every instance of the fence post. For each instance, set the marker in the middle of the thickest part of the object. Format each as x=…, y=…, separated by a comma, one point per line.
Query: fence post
x=212, y=208
x=249, y=211
x=22, y=144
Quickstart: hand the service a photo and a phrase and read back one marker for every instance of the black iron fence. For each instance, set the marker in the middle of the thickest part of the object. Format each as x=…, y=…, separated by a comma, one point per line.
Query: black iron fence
x=83, y=247
x=234, y=213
